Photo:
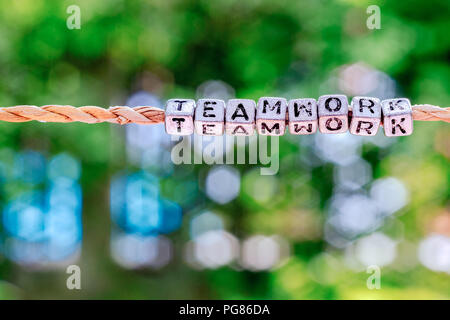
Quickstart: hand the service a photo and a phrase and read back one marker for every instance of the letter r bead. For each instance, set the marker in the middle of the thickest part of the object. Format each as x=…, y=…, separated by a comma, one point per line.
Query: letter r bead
x=366, y=116
x=333, y=113
x=397, y=117
x=179, y=116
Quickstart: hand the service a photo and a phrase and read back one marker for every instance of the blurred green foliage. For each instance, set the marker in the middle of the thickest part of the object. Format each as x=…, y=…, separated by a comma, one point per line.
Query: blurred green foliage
x=259, y=47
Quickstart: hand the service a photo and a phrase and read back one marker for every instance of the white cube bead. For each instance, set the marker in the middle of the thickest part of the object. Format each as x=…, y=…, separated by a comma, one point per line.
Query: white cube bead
x=333, y=113
x=366, y=116
x=210, y=117
x=179, y=116
x=302, y=116
x=397, y=117
x=271, y=116
x=240, y=117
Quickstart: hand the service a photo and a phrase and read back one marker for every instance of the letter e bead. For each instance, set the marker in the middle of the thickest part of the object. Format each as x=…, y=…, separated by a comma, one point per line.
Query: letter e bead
x=240, y=117
x=210, y=117
x=179, y=116
x=333, y=113
x=366, y=116
x=397, y=117
x=271, y=116
x=302, y=116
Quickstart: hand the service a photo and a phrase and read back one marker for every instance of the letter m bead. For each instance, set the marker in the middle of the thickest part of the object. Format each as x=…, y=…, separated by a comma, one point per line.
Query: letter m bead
x=179, y=116
x=210, y=117
x=240, y=117
x=271, y=116
x=397, y=117
x=302, y=116
x=366, y=116
x=333, y=113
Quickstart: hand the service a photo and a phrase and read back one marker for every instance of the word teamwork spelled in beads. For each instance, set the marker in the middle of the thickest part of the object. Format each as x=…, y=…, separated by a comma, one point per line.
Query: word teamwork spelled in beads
x=272, y=115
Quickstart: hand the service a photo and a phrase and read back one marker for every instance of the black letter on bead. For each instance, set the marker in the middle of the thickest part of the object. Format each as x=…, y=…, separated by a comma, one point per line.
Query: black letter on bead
x=338, y=104
x=244, y=114
x=361, y=105
x=338, y=122
x=205, y=127
x=397, y=105
x=180, y=104
x=275, y=127
x=205, y=108
x=178, y=121
x=298, y=128
x=271, y=108
x=298, y=109
x=394, y=125
x=236, y=130
x=367, y=128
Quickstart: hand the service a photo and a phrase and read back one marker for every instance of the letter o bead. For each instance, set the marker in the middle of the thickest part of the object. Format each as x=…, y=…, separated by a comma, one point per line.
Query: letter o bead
x=240, y=117
x=333, y=113
x=397, y=117
x=210, y=117
x=271, y=116
x=366, y=116
x=179, y=116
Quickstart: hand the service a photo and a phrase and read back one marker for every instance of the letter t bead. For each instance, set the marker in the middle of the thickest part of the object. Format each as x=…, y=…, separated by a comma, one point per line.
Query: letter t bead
x=179, y=116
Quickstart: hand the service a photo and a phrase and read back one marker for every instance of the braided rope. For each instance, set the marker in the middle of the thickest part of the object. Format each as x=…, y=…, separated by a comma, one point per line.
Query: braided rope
x=87, y=114
x=145, y=114
x=427, y=112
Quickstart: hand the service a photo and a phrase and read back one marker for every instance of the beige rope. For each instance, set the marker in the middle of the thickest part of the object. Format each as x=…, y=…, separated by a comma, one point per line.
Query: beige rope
x=427, y=112
x=87, y=114
x=145, y=114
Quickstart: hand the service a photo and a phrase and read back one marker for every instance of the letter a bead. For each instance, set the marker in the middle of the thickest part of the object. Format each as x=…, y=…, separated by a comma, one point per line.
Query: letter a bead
x=271, y=116
x=210, y=117
x=366, y=116
x=302, y=116
x=240, y=117
x=179, y=116
x=397, y=117
x=333, y=113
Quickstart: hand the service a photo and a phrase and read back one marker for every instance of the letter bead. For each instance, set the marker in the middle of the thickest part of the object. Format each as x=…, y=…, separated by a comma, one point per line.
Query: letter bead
x=397, y=117
x=240, y=117
x=333, y=113
x=210, y=117
x=366, y=116
x=179, y=116
x=271, y=116
x=302, y=116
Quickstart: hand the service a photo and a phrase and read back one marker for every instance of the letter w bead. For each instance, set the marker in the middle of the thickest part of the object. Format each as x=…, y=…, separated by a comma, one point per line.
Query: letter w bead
x=302, y=116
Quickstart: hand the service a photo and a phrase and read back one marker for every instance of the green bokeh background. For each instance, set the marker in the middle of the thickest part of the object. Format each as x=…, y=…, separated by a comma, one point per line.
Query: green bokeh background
x=260, y=48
